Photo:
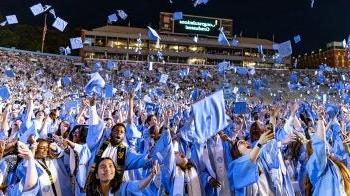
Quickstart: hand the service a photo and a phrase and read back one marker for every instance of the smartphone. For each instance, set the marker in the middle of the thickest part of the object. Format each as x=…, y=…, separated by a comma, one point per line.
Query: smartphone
x=270, y=127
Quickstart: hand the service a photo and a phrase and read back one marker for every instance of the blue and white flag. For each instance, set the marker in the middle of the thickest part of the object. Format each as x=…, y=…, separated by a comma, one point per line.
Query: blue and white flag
x=96, y=84
x=222, y=38
x=209, y=116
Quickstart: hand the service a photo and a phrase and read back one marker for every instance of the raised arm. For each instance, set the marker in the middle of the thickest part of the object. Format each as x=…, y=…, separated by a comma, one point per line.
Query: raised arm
x=145, y=182
x=131, y=108
x=5, y=122
x=31, y=174
x=264, y=138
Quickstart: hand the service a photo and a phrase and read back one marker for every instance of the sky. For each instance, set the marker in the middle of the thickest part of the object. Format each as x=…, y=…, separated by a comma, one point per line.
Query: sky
x=328, y=20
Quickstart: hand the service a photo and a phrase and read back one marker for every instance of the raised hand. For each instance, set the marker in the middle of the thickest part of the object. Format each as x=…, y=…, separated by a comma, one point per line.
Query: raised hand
x=214, y=183
x=155, y=169
x=266, y=137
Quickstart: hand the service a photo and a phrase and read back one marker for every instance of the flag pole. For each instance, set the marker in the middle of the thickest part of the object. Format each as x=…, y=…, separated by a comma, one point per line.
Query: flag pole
x=44, y=34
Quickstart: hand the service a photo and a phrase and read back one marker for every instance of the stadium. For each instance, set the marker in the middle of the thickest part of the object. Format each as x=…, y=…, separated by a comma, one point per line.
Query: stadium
x=189, y=108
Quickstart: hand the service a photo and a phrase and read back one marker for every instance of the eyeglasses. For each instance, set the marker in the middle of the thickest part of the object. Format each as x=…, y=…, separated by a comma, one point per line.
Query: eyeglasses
x=240, y=142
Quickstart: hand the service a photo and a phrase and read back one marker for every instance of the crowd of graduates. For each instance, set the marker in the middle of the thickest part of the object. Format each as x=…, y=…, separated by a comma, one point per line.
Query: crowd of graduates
x=62, y=133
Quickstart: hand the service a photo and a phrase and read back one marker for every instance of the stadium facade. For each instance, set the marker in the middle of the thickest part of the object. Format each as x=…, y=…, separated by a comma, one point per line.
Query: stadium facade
x=335, y=55
x=177, y=44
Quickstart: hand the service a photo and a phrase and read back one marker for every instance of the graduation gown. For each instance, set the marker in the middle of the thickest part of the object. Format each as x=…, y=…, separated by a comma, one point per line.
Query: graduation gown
x=323, y=173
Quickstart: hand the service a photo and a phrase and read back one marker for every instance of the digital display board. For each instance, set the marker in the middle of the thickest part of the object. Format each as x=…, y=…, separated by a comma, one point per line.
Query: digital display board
x=196, y=25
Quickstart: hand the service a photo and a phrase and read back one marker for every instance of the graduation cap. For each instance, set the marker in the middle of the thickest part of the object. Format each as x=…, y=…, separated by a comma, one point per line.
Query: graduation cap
x=9, y=73
x=150, y=107
x=195, y=39
x=182, y=74
x=76, y=43
x=340, y=86
x=205, y=74
x=222, y=38
x=67, y=50
x=11, y=19
x=198, y=2
x=331, y=110
x=60, y=24
x=284, y=49
x=112, y=18
x=177, y=16
x=222, y=66
x=37, y=9
x=98, y=66
x=234, y=41
x=297, y=39
x=138, y=86
x=240, y=108
x=109, y=91
x=346, y=99
x=160, y=55
x=152, y=34
x=111, y=64
x=95, y=84
x=66, y=80
x=5, y=93
x=127, y=74
x=122, y=14
x=293, y=78
x=242, y=71
x=195, y=94
x=48, y=95
x=320, y=79
x=163, y=78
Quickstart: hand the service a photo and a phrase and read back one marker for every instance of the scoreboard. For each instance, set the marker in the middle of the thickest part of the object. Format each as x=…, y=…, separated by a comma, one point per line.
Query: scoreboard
x=192, y=25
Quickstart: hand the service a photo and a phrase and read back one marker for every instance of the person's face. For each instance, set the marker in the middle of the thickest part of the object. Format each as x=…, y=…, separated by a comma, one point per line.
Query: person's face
x=155, y=133
x=117, y=135
x=153, y=121
x=109, y=123
x=76, y=136
x=40, y=115
x=105, y=171
x=143, y=118
x=180, y=160
x=64, y=127
x=243, y=146
x=16, y=125
x=42, y=150
x=57, y=113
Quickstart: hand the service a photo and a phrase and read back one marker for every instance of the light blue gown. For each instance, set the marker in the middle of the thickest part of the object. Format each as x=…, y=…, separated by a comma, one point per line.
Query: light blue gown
x=323, y=173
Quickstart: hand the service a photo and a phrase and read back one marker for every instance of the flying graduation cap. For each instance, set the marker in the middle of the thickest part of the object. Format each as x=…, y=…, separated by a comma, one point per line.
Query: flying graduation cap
x=60, y=24
x=177, y=16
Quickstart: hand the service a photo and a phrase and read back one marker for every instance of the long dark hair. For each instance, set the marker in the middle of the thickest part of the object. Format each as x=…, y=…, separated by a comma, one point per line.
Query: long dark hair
x=65, y=134
x=235, y=154
x=93, y=184
x=83, y=131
